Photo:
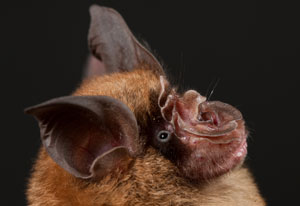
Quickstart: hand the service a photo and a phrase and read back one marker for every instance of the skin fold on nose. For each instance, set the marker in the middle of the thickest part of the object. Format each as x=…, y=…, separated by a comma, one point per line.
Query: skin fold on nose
x=195, y=115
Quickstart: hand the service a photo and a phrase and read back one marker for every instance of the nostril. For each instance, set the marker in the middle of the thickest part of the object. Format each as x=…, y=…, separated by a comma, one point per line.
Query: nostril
x=209, y=117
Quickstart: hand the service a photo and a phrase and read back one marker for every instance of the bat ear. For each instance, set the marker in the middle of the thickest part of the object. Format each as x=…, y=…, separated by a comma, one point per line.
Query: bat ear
x=94, y=67
x=113, y=44
x=88, y=136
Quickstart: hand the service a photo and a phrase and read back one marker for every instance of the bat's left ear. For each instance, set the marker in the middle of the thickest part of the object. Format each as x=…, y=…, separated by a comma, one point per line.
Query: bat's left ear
x=88, y=136
x=114, y=48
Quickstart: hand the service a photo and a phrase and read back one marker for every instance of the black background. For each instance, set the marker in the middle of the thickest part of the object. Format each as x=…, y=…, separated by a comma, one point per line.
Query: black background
x=252, y=47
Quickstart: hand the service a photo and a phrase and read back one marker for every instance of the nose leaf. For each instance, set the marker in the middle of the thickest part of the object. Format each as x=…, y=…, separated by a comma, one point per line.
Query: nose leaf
x=191, y=114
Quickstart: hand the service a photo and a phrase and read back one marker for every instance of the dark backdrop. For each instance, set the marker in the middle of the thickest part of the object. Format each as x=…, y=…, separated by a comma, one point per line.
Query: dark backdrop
x=252, y=47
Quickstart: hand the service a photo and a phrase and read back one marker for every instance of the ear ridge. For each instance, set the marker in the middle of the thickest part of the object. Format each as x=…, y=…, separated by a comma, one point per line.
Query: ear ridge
x=112, y=42
x=107, y=162
x=79, y=131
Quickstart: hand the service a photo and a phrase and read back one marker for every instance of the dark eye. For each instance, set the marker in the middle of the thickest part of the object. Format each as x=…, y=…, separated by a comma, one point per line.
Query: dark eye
x=163, y=136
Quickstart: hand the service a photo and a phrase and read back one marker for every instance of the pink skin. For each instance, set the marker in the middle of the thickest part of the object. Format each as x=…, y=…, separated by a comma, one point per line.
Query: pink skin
x=208, y=159
x=213, y=134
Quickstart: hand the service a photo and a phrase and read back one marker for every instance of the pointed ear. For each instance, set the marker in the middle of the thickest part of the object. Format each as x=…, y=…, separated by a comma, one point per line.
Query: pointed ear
x=112, y=42
x=88, y=136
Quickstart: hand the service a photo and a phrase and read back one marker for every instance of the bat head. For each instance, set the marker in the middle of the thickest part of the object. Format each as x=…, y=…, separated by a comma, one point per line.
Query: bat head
x=127, y=104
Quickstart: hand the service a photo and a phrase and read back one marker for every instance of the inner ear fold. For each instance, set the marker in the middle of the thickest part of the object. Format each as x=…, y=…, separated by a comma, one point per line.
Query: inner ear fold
x=94, y=67
x=88, y=136
x=112, y=42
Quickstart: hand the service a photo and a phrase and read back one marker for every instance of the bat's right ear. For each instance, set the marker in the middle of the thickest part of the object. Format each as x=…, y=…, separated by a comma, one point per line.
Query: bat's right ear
x=88, y=136
x=113, y=46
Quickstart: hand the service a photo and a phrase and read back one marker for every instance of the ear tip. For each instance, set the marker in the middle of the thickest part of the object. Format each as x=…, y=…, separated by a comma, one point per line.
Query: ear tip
x=30, y=110
x=94, y=7
x=95, y=10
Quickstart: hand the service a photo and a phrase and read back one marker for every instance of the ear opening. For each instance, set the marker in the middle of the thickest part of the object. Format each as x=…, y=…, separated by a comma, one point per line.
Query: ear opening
x=88, y=136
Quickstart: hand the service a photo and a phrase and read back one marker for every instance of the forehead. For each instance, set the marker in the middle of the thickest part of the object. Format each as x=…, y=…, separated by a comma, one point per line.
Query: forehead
x=132, y=88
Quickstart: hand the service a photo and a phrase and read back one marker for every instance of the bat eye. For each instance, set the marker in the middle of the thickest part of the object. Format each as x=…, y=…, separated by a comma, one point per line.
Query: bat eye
x=164, y=136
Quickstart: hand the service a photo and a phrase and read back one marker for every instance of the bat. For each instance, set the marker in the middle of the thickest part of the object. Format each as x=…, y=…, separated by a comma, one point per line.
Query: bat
x=126, y=136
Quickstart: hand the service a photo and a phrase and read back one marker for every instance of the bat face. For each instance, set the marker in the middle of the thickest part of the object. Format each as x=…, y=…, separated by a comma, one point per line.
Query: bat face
x=126, y=104
x=204, y=139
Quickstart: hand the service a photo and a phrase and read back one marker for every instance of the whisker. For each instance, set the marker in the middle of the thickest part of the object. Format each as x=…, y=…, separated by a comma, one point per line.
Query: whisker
x=213, y=89
x=209, y=86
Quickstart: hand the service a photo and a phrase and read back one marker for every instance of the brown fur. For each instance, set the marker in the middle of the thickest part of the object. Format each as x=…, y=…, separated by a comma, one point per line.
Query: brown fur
x=151, y=179
x=132, y=88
